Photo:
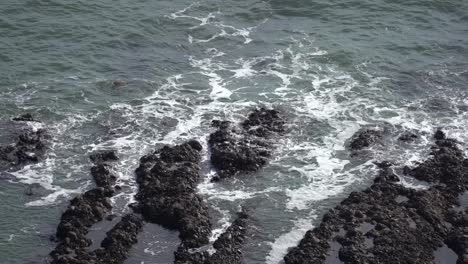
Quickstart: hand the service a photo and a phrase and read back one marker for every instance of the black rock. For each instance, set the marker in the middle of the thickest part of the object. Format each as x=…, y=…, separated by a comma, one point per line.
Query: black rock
x=86, y=210
x=439, y=135
x=104, y=156
x=103, y=177
x=228, y=246
x=167, y=180
x=245, y=149
x=25, y=117
x=119, y=240
x=365, y=138
x=29, y=148
x=379, y=228
x=408, y=136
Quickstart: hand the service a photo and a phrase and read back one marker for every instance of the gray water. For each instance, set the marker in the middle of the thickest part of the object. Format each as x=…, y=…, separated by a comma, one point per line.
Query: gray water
x=333, y=66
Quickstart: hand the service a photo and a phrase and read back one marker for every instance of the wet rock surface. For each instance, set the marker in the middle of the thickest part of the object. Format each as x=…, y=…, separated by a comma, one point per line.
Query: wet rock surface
x=167, y=180
x=246, y=148
x=377, y=226
x=30, y=146
x=119, y=240
x=228, y=246
x=408, y=136
x=365, y=138
x=104, y=156
x=102, y=169
x=83, y=212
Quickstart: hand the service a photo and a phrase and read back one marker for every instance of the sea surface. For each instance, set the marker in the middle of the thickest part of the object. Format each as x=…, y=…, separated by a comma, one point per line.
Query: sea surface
x=333, y=66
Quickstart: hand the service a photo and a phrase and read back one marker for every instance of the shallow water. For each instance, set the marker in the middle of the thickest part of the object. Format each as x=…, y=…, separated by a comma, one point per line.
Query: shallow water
x=334, y=67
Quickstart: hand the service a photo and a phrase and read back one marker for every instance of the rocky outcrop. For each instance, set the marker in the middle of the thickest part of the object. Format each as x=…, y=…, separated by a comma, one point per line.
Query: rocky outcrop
x=228, y=246
x=24, y=118
x=29, y=147
x=408, y=136
x=102, y=171
x=82, y=213
x=384, y=223
x=246, y=148
x=119, y=240
x=365, y=138
x=167, y=180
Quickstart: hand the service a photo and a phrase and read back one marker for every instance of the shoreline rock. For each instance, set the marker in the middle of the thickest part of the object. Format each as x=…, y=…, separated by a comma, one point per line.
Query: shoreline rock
x=119, y=240
x=228, y=246
x=82, y=213
x=167, y=180
x=365, y=138
x=246, y=149
x=385, y=223
x=29, y=147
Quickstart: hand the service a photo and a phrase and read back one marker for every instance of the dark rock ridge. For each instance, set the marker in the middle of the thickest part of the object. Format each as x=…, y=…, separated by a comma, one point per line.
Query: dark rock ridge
x=83, y=212
x=25, y=118
x=102, y=171
x=365, y=138
x=388, y=223
x=119, y=240
x=228, y=246
x=167, y=180
x=246, y=148
x=29, y=147
x=103, y=156
x=408, y=136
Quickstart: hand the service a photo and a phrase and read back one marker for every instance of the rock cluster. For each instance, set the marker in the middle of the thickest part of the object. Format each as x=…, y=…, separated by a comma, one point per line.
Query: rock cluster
x=246, y=148
x=86, y=210
x=388, y=223
x=29, y=146
x=167, y=180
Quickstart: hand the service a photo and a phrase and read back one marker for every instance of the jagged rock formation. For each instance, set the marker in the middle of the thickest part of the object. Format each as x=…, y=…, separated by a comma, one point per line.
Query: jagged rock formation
x=388, y=223
x=228, y=246
x=246, y=149
x=119, y=240
x=167, y=180
x=29, y=147
x=365, y=138
x=83, y=212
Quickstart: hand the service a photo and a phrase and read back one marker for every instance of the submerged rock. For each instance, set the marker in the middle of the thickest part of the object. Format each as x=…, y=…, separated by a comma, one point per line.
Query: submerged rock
x=246, y=149
x=25, y=118
x=384, y=223
x=167, y=180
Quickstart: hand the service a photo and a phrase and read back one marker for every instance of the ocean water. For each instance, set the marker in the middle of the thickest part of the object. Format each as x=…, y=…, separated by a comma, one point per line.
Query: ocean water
x=333, y=67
